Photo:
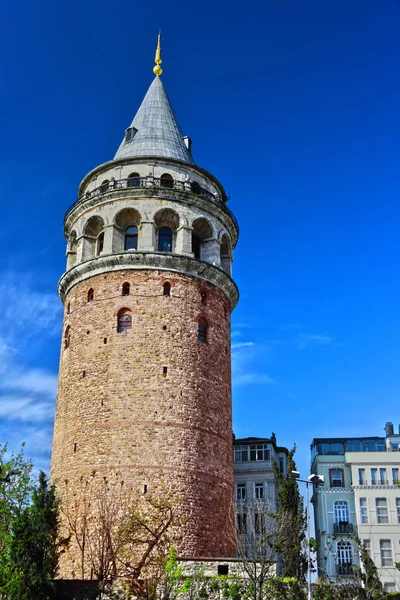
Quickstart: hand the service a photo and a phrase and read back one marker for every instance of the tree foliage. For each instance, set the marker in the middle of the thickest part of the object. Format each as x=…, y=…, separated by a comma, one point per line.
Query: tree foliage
x=290, y=523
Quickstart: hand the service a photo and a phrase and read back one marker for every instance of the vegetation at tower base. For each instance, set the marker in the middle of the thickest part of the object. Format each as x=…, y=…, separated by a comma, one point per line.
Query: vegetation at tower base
x=28, y=532
x=119, y=540
x=290, y=523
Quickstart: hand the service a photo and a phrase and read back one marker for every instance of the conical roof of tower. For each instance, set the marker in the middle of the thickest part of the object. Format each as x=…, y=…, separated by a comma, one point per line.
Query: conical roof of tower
x=158, y=132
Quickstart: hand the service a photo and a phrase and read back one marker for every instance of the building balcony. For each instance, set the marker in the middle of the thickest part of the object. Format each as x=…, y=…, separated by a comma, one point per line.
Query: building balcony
x=343, y=527
x=345, y=569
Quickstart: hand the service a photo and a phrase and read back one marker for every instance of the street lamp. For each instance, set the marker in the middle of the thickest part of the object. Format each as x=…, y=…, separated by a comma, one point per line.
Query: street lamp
x=313, y=480
x=7, y=478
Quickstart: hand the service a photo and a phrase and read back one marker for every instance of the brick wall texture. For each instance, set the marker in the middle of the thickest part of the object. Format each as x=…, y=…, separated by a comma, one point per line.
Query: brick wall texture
x=152, y=405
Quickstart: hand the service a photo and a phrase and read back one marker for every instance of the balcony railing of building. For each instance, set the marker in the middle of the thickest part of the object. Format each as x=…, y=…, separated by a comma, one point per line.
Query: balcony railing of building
x=345, y=569
x=343, y=527
x=149, y=182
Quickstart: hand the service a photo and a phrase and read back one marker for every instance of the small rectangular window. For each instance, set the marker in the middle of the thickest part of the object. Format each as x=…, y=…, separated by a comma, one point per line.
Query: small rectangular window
x=240, y=491
x=223, y=569
x=386, y=553
x=367, y=547
x=363, y=510
x=361, y=476
x=382, y=515
x=395, y=476
x=398, y=509
x=336, y=476
x=382, y=477
x=259, y=491
x=242, y=523
x=374, y=475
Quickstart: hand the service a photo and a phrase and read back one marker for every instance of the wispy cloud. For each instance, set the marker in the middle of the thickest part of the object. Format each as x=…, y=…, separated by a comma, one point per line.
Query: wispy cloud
x=237, y=345
x=308, y=340
x=244, y=371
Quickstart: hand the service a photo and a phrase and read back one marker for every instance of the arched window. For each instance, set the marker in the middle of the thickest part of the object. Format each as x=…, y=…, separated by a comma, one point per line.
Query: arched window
x=167, y=289
x=195, y=187
x=67, y=337
x=165, y=239
x=202, y=331
x=124, y=322
x=100, y=243
x=201, y=231
x=134, y=180
x=104, y=186
x=341, y=510
x=90, y=295
x=126, y=288
x=166, y=180
x=131, y=238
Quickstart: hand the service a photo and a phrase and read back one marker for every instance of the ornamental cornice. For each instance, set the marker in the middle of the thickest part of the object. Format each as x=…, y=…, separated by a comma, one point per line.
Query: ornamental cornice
x=375, y=487
x=336, y=490
x=331, y=463
x=141, y=260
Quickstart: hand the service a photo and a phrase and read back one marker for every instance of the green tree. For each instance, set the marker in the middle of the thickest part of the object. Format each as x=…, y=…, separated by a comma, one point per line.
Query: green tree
x=290, y=523
x=32, y=547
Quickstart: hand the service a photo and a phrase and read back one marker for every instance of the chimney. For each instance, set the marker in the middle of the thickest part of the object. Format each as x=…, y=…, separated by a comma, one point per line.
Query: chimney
x=389, y=428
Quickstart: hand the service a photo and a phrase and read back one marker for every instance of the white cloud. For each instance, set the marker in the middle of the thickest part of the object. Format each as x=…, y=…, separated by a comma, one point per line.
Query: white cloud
x=237, y=345
x=25, y=408
x=241, y=379
x=306, y=340
x=243, y=370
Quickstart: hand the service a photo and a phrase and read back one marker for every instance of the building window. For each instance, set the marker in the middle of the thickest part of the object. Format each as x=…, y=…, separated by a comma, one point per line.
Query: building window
x=90, y=295
x=202, y=331
x=167, y=289
x=382, y=477
x=398, y=509
x=361, y=476
x=259, y=491
x=240, y=492
x=382, y=515
x=105, y=185
x=259, y=523
x=100, y=243
x=374, y=476
x=344, y=558
x=131, y=238
x=126, y=288
x=363, y=511
x=367, y=547
x=336, y=477
x=130, y=134
x=281, y=466
x=259, y=452
x=241, y=454
x=165, y=239
x=386, y=553
x=166, y=180
x=133, y=180
x=124, y=322
x=395, y=476
x=389, y=587
x=341, y=510
x=67, y=337
x=242, y=523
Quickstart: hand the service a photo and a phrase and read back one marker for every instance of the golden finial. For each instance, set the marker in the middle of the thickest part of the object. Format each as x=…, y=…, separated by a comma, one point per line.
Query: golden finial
x=157, y=69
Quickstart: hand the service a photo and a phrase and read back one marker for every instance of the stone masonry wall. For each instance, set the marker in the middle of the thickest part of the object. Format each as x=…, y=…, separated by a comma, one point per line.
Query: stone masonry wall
x=152, y=405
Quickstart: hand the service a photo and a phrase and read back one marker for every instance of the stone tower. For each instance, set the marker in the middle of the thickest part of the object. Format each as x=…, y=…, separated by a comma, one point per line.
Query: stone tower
x=145, y=369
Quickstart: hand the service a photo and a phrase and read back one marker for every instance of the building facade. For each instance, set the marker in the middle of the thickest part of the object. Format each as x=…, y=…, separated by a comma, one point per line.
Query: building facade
x=256, y=487
x=361, y=496
x=144, y=395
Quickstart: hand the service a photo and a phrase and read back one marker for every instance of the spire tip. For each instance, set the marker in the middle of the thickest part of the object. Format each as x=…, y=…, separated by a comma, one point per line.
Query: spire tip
x=157, y=70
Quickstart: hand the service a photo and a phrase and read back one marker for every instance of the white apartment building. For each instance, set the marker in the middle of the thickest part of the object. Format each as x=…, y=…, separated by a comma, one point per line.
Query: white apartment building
x=361, y=495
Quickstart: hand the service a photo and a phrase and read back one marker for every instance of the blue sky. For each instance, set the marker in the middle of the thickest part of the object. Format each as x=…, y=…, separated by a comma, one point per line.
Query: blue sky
x=294, y=106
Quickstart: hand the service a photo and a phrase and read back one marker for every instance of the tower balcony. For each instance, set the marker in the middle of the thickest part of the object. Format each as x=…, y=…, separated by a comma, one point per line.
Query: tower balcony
x=152, y=186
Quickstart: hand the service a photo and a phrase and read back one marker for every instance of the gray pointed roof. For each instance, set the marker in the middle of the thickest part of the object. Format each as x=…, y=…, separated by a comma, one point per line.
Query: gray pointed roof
x=158, y=132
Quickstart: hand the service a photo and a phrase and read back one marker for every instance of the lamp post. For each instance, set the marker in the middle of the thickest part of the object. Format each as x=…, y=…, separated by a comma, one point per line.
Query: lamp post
x=313, y=480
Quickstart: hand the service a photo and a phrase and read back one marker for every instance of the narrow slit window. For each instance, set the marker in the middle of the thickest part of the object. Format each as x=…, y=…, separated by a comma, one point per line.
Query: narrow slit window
x=100, y=243
x=90, y=295
x=202, y=332
x=67, y=337
x=167, y=289
x=126, y=289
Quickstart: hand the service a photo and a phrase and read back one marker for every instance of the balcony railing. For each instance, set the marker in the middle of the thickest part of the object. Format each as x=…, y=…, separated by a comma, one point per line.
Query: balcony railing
x=149, y=182
x=345, y=569
x=343, y=527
